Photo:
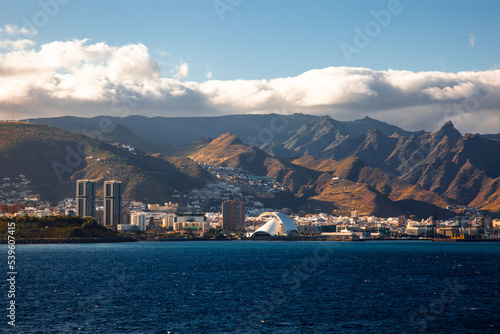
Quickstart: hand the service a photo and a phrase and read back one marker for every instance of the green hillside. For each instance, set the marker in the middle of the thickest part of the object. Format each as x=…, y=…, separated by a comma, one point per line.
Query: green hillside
x=54, y=159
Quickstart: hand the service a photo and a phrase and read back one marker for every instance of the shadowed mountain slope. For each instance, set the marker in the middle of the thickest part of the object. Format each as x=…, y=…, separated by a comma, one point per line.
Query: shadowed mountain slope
x=443, y=162
x=54, y=159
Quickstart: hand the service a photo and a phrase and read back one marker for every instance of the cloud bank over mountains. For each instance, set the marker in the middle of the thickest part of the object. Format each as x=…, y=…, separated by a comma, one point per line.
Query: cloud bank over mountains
x=82, y=78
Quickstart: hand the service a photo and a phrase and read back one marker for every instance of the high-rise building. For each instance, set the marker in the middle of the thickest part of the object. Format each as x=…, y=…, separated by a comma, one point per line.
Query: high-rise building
x=85, y=198
x=112, y=203
x=233, y=215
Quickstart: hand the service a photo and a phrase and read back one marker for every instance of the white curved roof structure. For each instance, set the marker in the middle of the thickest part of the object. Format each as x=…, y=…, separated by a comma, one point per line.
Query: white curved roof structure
x=280, y=224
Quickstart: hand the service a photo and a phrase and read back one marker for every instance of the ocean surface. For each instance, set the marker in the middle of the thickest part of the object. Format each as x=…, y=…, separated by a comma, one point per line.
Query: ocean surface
x=256, y=287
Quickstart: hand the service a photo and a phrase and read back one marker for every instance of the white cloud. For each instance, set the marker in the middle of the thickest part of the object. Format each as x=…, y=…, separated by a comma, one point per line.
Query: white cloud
x=209, y=75
x=19, y=44
x=472, y=40
x=82, y=78
x=182, y=71
x=459, y=91
x=162, y=53
x=12, y=29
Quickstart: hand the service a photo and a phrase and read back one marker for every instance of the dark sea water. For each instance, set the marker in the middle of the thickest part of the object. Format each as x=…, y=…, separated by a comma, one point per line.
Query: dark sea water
x=256, y=287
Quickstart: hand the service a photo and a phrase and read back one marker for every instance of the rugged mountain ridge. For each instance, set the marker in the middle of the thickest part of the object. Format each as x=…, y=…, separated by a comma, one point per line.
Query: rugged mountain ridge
x=338, y=186
x=467, y=171
x=228, y=150
x=404, y=197
x=462, y=169
x=253, y=129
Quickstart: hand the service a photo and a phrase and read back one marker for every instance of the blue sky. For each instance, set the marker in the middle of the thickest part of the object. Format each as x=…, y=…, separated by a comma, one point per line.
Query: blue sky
x=251, y=40
x=262, y=39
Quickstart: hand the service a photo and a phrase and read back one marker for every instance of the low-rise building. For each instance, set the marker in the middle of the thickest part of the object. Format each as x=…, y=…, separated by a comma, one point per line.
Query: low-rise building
x=195, y=221
x=127, y=228
x=139, y=220
x=416, y=231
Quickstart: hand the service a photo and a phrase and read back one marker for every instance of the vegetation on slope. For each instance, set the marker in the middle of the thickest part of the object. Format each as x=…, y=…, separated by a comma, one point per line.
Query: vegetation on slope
x=55, y=227
x=54, y=159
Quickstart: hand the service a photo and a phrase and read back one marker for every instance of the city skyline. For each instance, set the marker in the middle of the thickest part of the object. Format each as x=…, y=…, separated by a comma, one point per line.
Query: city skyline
x=156, y=219
x=343, y=59
x=250, y=166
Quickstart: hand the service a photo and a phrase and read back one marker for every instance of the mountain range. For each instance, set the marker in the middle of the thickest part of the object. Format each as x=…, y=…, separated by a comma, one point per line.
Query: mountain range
x=325, y=164
x=53, y=159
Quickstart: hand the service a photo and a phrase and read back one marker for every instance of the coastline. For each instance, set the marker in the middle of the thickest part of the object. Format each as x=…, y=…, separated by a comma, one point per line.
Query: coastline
x=128, y=239
x=68, y=240
x=466, y=240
